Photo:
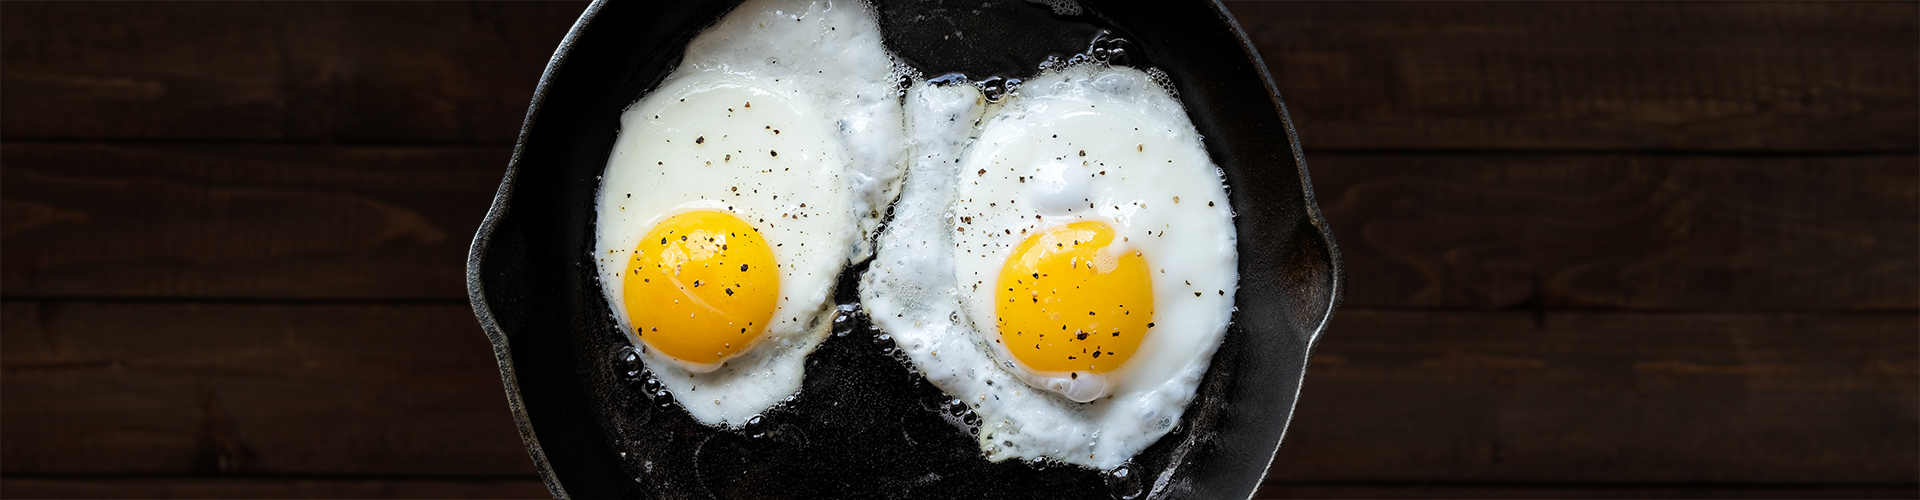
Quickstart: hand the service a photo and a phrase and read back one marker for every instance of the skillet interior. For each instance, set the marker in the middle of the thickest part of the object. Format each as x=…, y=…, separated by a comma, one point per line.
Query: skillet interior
x=864, y=425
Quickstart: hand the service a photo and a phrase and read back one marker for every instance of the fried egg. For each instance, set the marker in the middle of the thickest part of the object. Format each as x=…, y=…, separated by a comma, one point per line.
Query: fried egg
x=1068, y=271
x=738, y=190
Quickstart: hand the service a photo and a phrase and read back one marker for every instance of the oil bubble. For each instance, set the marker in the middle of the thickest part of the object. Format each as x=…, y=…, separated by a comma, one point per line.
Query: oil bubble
x=1108, y=49
x=628, y=360
x=993, y=88
x=1124, y=482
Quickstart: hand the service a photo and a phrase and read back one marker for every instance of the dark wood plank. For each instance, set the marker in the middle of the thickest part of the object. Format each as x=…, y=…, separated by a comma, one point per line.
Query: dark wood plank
x=1398, y=397
x=183, y=388
x=241, y=221
x=275, y=71
x=1667, y=232
x=1740, y=76
x=1283, y=490
x=1779, y=76
x=1476, y=231
x=200, y=487
x=1609, y=398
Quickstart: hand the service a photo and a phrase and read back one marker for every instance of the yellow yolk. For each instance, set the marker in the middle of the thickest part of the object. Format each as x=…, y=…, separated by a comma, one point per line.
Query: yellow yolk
x=701, y=286
x=1067, y=303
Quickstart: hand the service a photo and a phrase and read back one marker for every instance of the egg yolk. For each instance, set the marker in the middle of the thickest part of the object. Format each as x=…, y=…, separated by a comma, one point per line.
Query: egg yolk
x=701, y=286
x=1069, y=300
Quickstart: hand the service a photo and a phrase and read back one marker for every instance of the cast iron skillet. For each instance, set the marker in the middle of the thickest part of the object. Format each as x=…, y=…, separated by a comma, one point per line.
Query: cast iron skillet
x=864, y=425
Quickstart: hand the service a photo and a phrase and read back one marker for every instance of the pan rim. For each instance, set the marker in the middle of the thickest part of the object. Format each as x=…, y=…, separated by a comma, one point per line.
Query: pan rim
x=503, y=197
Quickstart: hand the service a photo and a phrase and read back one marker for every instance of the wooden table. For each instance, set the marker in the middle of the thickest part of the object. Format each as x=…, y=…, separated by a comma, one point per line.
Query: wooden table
x=1595, y=249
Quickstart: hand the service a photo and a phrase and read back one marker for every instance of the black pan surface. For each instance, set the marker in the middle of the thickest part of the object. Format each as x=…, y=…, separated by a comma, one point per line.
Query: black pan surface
x=864, y=425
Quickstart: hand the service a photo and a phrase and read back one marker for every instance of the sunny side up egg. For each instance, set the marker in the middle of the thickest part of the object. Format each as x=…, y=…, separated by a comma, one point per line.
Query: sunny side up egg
x=736, y=193
x=1069, y=271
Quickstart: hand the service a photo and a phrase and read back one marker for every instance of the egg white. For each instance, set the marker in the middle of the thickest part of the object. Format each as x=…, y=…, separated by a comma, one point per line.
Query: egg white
x=832, y=52
x=784, y=114
x=969, y=202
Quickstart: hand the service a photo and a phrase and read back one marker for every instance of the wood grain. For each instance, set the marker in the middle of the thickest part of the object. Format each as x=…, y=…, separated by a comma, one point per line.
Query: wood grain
x=275, y=71
x=1482, y=231
x=216, y=487
x=254, y=222
x=1664, y=232
x=1559, y=75
x=1776, y=76
x=1652, y=249
x=1609, y=398
x=109, y=388
x=105, y=388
